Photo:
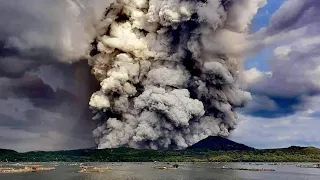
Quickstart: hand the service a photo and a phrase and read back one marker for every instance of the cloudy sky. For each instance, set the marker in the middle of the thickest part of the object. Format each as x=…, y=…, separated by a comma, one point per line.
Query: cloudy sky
x=43, y=97
x=283, y=77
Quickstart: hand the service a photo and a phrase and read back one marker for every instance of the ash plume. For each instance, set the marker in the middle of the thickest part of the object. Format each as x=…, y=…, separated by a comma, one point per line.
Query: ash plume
x=168, y=71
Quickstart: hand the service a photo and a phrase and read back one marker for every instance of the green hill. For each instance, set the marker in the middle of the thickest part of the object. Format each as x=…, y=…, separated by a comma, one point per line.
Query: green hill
x=233, y=153
x=2, y=151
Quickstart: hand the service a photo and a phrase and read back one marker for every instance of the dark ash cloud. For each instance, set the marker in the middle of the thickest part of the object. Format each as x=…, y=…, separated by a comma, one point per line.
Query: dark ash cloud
x=29, y=105
x=43, y=97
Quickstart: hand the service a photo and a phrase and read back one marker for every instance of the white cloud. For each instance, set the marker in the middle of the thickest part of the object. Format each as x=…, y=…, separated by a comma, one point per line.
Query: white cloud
x=253, y=75
x=284, y=110
x=294, y=67
x=297, y=129
x=300, y=128
x=282, y=52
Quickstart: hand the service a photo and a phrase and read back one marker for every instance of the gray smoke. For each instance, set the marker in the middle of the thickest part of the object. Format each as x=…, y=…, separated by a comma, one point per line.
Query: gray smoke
x=168, y=71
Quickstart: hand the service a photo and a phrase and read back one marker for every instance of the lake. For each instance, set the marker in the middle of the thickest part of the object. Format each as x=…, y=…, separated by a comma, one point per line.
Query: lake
x=186, y=171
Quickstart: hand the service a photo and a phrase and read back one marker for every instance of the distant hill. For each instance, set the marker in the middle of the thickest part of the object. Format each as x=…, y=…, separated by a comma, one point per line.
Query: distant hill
x=7, y=151
x=222, y=150
x=217, y=143
x=299, y=149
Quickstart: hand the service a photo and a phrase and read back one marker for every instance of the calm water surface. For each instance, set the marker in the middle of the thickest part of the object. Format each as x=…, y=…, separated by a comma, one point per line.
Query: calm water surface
x=144, y=171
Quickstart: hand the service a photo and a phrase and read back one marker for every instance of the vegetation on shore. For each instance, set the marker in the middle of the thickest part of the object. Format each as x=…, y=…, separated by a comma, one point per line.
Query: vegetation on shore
x=291, y=154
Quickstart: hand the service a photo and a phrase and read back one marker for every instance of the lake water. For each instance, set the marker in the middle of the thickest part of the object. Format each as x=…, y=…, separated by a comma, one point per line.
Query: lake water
x=186, y=171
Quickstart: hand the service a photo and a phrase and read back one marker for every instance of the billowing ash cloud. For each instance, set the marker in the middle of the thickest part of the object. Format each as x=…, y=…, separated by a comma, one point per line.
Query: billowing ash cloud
x=168, y=71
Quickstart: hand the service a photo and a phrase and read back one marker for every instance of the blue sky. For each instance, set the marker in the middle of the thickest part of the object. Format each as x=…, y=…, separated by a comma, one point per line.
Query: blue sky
x=284, y=77
x=260, y=60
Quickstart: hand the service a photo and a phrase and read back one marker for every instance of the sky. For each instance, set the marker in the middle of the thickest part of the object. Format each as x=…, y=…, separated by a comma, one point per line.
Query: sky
x=260, y=60
x=283, y=78
x=41, y=89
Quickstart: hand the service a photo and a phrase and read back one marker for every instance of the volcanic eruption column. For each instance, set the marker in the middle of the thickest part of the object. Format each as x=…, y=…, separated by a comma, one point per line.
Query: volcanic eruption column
x=168, y=71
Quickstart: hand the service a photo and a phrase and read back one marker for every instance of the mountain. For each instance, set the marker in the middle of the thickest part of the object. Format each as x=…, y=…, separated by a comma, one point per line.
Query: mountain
x=217, y=143
x=7, y=151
